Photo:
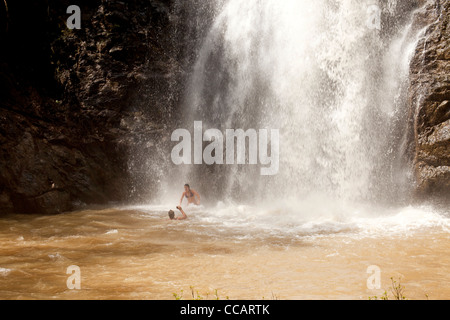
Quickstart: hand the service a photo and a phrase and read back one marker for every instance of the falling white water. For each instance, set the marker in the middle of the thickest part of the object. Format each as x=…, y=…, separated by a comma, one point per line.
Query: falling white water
x=336, y=89
x=319, y=73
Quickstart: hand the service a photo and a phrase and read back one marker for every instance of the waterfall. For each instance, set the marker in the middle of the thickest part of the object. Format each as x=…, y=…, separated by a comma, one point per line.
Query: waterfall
x=322, y=73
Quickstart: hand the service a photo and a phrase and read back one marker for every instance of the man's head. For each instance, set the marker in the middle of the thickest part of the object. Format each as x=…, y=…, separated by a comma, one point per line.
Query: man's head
x=171, y=214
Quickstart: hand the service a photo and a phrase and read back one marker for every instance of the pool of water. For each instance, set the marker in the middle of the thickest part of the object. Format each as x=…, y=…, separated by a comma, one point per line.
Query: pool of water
x=243, y=252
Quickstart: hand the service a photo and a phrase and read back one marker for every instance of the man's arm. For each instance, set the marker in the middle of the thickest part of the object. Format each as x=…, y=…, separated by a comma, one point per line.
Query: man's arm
x=183, y=213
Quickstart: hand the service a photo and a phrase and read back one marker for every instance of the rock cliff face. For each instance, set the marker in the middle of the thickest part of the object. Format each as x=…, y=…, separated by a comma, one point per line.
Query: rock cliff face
x=430, y=102
x=77, y=105
x=75, y=102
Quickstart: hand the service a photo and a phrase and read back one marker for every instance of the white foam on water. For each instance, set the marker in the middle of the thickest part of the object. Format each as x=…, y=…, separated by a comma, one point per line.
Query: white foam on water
x=305, y=219
x=5, y=271
x=56, y=256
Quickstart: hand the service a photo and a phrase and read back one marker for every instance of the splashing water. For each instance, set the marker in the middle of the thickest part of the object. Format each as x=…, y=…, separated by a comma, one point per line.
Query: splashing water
x=334, y=86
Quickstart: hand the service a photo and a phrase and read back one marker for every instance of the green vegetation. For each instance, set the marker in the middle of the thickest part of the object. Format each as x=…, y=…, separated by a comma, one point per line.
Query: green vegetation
x=396, y=289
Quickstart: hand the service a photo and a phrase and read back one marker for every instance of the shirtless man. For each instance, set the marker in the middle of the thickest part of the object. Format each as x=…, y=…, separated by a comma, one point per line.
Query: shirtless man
x=191, y=195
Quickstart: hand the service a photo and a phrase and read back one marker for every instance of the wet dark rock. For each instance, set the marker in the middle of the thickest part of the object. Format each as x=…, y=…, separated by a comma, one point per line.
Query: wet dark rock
x=65, y=95
x=429, y=102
